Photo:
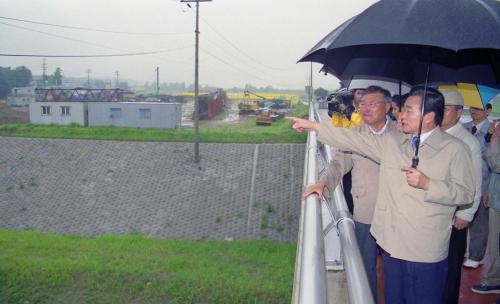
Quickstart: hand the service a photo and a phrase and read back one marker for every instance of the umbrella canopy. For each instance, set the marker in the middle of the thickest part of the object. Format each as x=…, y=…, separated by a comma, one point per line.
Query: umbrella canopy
x=459, y=40
x=476, y=96
x=390, y=85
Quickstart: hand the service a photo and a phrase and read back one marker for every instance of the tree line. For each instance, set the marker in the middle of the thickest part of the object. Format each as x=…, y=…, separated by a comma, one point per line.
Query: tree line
x=22, y=77
x=11, y=78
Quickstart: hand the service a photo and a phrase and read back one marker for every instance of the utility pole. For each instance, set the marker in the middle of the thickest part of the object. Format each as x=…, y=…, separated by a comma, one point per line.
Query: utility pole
x=157, y=81
x=196, y=99
x=88, y=77
x=44, y=72
x=311, y=84
x=117, y=79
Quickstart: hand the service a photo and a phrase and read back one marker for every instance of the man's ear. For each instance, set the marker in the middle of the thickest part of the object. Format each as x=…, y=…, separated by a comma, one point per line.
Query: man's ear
x=429, y=118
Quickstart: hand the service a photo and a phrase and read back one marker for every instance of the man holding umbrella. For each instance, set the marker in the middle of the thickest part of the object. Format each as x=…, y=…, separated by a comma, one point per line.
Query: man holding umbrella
x=415, y=207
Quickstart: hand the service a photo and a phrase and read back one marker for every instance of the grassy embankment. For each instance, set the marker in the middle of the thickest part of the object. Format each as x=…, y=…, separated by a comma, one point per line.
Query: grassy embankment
x=244, y=132
x=48, y=268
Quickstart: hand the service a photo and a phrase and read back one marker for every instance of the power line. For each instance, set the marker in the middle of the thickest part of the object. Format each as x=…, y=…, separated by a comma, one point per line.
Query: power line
x=238, y=49
x=94, y=44
x=88, y=56
x=235, y=68
x=58, y=36
x=91, y=29
x=85, y=42
x=251, y=66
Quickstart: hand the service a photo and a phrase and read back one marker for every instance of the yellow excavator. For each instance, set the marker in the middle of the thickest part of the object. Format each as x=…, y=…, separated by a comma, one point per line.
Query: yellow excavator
x=249, y=106
x=264, y=118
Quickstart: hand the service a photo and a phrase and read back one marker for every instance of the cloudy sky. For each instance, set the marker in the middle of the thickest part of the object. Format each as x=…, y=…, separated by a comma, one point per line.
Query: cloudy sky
x=242, y=41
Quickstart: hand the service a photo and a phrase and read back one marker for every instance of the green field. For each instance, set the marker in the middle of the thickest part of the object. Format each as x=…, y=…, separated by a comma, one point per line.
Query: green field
x=48, y=268
x=244, y=132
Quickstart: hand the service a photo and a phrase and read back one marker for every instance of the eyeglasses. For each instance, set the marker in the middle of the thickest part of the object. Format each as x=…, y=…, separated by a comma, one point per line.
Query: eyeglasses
x=371, y=105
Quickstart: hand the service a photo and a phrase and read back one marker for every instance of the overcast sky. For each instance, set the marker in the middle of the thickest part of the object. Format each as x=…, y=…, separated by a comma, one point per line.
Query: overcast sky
x=242, y=41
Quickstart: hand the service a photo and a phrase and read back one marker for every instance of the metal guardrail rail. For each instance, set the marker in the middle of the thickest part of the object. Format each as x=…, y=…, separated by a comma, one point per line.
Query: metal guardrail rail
x=310, y=272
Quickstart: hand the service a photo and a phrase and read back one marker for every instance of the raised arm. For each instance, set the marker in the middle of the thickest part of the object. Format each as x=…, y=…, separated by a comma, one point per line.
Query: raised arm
x=343, y=139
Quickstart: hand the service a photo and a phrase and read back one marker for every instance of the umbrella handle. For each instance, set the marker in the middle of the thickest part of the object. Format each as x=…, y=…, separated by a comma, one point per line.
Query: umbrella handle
x=414, y=162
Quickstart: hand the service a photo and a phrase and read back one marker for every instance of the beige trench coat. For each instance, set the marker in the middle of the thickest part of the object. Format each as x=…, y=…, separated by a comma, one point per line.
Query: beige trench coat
x=410, y=223
x=365, y=174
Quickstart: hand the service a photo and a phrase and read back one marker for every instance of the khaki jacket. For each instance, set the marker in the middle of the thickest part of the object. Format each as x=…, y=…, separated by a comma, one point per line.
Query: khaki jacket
x=492, y=156
x=467, y=212
x=409, y=223
x=364, y=174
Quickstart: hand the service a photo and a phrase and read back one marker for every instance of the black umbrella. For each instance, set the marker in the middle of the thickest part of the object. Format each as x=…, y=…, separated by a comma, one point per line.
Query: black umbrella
x=460, y=39
x=418, y=41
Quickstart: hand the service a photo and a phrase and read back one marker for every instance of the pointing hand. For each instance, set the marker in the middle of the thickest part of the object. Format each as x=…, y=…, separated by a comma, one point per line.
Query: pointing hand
x=301, y=125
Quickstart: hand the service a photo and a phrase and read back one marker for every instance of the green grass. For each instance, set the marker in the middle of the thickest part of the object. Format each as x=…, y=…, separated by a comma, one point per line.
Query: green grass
x=221, y=116
x=496, y=107
x=245, y=132
x=496, y=110
x=48, y=268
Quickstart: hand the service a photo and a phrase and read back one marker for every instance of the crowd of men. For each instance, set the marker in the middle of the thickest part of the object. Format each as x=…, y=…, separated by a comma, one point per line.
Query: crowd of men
x=418, y=218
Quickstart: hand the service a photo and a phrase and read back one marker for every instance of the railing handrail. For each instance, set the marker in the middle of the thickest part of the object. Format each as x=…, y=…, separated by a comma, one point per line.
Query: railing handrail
x=357, y=280
x=310, y=270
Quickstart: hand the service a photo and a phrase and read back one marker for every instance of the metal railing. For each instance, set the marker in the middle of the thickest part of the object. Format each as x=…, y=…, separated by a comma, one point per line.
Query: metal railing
x=310, y=271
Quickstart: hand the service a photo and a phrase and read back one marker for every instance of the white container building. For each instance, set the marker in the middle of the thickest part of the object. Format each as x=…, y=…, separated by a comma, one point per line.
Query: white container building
x=135, y=114
x=61, y=113
x=21, y=96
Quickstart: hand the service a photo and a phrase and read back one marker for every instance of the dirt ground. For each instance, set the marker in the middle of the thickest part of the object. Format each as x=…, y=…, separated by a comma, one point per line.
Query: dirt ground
x=231, y=116
x=10, y=114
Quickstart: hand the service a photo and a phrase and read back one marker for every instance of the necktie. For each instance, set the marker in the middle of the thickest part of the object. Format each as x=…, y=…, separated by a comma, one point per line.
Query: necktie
x=414, y=142
x=474, y=130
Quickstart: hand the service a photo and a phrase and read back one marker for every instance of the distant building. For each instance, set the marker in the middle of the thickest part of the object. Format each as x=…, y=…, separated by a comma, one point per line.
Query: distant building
x=135, y=114
x=80, y=94
x=211, y=104
x=60, y=113
x=101, y=107
x=21, y=96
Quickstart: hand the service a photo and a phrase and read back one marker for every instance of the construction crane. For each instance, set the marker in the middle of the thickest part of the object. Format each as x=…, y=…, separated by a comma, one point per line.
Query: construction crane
x=247, y=93
x=249, y=106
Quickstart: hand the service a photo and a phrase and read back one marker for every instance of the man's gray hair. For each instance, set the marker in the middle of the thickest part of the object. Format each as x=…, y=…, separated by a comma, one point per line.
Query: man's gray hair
x=377, y=89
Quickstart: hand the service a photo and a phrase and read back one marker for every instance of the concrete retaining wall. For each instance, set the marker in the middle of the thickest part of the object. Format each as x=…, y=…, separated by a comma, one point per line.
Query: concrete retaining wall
x=241, y=191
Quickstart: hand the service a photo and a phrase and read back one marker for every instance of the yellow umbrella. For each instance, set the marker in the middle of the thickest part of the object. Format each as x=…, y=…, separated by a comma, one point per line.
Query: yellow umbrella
x=475, y=96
